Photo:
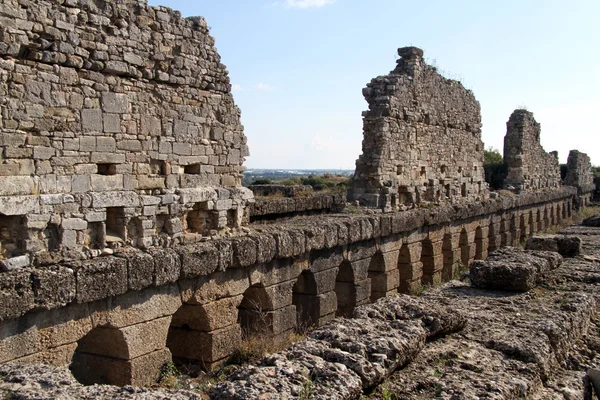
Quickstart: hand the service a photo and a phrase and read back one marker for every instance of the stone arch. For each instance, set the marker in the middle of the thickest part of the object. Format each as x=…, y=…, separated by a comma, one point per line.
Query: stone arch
x=514, y=231
x=448, y=253
x=253, y=312
x=567, y=211
x=558, y=214
x=504, y=232
x=540, y=223
x=546, y=218
x=306, y=300
x=532, y=229
x=479, y=239
x=345, y=290
x=465, y=248
x=406, y=268
x=552, y=216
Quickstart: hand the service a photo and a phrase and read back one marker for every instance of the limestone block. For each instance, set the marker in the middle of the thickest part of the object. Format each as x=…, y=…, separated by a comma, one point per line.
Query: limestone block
x=150, y=182
x=198, y=259
x=218, y=285
x=244, y=252
x=128, y=342
x=107, y=158
x=277, y=271
x=266, y=247
x=311, y=308
x=14, y=263
x=80, y=183
x=115, y=103
x=290, y=242
x=269, y=298
x=208, y=317
x=9, y=169
x=60, y=356
x=208, y=347
x=136, y=306
x=74, y=223
x=115, y=199
x=361, y=250
x=53, y=287
x=383, y=282
x=91, y=120
x=324, y=282
x=16, y=293
x=141, y=371
x=87, y=143
x=100, y=278
x=566, y=246
x=140, y=269
x=167, y=266
x=197, y=195
x=281, y=320
x=18, y=185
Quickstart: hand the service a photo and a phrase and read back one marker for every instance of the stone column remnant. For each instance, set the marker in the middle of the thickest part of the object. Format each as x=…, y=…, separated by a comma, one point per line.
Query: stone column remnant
x=529, y=167
x=422, y=139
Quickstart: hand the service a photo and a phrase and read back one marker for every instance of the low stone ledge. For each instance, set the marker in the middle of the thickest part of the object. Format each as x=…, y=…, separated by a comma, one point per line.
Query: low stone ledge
x=565, y=245
x=593, y=221
x=513, y=269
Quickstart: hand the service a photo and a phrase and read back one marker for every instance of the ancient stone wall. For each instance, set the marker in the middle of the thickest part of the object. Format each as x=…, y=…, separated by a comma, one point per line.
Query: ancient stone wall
x=117, y=124
x=529, y=167
x=422, y=139
x=579, y=170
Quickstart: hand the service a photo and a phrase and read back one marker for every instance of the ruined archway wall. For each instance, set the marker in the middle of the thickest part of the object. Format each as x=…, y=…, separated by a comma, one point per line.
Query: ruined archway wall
x=105, y=102
x=529, y=167
x=422, y=139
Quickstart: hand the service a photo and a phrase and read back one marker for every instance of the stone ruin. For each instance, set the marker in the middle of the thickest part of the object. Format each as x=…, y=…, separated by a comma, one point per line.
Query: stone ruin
x=422, y=139
x=117, y=125
x=529, y=167
x=580, y=175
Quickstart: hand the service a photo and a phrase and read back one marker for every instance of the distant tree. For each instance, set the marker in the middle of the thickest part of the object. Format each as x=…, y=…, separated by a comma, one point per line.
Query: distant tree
x=493, y=166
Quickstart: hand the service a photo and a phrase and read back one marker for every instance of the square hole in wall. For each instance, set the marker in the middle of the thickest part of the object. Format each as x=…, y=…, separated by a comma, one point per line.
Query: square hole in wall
x=199, y=219
x=158, y=167
x=107, y=169
x=12, y=235
x=115, y=224
x=193, y=169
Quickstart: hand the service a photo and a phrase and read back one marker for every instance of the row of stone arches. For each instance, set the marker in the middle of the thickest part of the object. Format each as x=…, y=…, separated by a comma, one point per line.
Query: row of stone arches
x=297, y=294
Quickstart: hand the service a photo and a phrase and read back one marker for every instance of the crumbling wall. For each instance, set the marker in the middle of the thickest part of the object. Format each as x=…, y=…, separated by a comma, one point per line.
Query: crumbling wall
x=115, y=116
x=579, y=170
x=529, y=167
x=422, y=139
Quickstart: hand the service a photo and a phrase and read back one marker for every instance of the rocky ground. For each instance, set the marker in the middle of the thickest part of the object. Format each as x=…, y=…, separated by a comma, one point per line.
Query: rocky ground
x=452, y=342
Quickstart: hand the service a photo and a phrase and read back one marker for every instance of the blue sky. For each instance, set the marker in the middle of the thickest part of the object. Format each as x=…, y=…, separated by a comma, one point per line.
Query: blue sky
x=299, y=66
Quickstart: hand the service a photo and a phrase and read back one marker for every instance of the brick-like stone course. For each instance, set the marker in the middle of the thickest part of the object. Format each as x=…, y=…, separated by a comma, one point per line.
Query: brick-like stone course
x=422, y=139
x=104, y=104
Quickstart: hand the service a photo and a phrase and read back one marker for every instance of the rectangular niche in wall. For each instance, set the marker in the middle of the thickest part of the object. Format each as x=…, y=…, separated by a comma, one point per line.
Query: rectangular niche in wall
x=192, y=169
x=96, y=235
x=107, y=169
x=12, y=235
x=115, y=224
x=199, y=219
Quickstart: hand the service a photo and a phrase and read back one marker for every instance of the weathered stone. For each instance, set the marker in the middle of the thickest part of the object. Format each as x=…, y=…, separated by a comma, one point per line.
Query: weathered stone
x=100, y=278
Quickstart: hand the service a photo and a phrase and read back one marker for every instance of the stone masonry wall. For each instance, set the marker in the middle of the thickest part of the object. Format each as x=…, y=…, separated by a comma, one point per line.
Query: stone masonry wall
x=117, y=123
x=422, y=139
x=579, y=170
x=529, y=167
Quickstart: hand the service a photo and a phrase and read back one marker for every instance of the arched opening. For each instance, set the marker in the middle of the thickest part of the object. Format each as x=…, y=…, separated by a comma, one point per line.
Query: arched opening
x=405, y=269
x=504, y=233
x=306, y=300
x=531, y=224
x=101, y=357
x=514, y=230
x=465, y=248
x=253, y=312
x=546, y=220
x=12, y=235
x=567, y=210
x=552, y=217
x=428, y=260
x=492, y=237
x=448, y=253
x=540, y=223
x=479, y=243
x=378, y=276
x=345, y=290
x=558, y=214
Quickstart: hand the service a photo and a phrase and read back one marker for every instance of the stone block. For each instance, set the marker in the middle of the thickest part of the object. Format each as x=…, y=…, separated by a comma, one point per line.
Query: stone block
x=15, y=263
x=150, y=182
x=78, y=224
x=106, y=183
x=208, y=317
x=244, y=252
x=128, y=342
x=136, y=306
x=141, y=371
x=112, y=124
x=218, y=285
x=19, y=205
x=53, y=287
x=107, y=158
x=140, y=269
x=115, y=103
x=197, y=260
x=115, y=199
x=361, y=250
x=100, y=278
x=207, y=347
x=565, y=245
x=91, y=120
x=80, y=183
x=18, y=186
x=16, y=293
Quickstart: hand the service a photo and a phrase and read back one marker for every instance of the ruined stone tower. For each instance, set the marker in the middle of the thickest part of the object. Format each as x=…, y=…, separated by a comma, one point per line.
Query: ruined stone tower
x=117, y=125
x=529, y=167
x=422, y=139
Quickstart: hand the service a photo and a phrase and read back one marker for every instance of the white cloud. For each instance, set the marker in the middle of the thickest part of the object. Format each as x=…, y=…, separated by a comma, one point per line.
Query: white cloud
x=308, y=3
x=236, y=88
x=265, y=86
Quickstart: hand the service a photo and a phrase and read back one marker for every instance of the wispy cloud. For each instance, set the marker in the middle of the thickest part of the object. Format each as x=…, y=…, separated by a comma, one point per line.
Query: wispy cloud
x=236, y=87
x=307, y=3
x=265, y=86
